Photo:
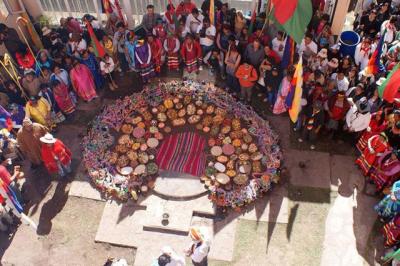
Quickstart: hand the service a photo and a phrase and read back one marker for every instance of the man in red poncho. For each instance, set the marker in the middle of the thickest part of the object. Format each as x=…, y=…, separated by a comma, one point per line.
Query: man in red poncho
x=55, y=155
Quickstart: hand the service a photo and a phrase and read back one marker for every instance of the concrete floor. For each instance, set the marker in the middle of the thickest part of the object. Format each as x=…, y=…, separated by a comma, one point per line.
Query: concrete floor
x=331, y=220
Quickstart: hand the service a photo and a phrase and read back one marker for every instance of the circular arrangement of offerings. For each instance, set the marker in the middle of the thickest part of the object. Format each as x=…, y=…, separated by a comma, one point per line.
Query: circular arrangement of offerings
x=243, y=157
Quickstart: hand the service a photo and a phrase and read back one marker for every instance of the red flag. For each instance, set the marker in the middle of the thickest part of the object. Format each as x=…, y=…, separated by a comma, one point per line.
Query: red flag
x=99, y=50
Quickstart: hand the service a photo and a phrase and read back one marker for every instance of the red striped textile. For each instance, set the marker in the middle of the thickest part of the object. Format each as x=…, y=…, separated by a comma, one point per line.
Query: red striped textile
x=183, y=152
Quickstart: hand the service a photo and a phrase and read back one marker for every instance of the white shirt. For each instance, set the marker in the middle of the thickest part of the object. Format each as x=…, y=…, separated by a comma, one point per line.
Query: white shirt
x=278, y=46
x=361, y=57
x=79, y=46
x=109, y=68
x=193, y=23
x=356, y=121
x=342, y=85
x=210, y=31
x=201, y=251
x=313, y=47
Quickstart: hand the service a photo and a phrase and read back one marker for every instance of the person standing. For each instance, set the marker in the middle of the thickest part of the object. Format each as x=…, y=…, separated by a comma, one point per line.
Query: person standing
x=63, y=97
x=149, y=20
x=107, y=70
x=191, y=54
x=28, y=138
x=30, y=82
x=313, y=121
x=39, y=110
x=171, y=46
x=144, y=60
x=247, y=76
x=232, y=61
x=119, y=41
x=55, y=155
x=308, y=48
x=157, y=52
x=194, y=22
x=185, y=8
x=284, y=89
x=199, y=247
x=82, y=81
x=254, y=53
x=169, y=257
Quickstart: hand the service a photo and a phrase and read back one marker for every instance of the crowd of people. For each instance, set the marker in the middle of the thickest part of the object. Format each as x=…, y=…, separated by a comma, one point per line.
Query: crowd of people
x=340, y=98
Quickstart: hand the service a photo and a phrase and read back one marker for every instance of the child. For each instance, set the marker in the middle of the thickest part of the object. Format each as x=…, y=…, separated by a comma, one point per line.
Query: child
x=191, y=54
x=171, y=46
x=63, y=97
x=107, y=67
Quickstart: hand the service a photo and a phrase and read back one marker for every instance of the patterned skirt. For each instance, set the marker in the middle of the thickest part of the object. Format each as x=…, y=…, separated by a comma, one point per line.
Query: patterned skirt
x=363, y=164
x=191, y=65
x=147, y=72
x=363, y=141
x=173, y=62
x=391, y=231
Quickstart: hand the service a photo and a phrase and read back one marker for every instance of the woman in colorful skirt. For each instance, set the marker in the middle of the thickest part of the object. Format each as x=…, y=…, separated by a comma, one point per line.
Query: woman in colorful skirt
x=90, y=61
x=284, y=89
x=62, y=97
x=171, y=46
x=191, y=54
x=82, y=81
x=157, y=51
x=144, y=61
x=390, y=205
x=376, y=146
x=386, y=170
x=376, y=126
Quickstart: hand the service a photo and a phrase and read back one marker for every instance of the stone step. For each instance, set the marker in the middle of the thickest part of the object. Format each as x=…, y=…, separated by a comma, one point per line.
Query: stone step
x=178, y=186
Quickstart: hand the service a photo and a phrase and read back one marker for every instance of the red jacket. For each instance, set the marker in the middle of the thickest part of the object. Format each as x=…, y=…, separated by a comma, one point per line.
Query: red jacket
x=247, y=76
x=192, y=54
x=50, y=153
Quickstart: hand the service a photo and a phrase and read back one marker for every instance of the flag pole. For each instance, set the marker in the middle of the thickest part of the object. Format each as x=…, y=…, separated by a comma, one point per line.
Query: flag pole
x=26, y=41
x=266, y=23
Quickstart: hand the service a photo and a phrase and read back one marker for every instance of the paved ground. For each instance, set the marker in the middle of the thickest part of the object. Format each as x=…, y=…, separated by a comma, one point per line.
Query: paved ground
x=318, y=215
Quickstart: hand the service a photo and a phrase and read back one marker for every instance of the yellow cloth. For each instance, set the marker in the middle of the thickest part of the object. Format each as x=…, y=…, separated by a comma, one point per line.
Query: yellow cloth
x=39, y=113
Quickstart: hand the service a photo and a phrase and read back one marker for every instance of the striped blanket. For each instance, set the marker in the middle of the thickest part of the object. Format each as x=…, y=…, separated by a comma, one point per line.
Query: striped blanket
x=183, y=152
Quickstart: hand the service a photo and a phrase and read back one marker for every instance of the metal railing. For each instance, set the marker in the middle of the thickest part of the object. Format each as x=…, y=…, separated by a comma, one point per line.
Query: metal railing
x=56, y=9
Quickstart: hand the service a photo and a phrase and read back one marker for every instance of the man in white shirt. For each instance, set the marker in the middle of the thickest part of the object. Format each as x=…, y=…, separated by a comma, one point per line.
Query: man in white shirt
x=308, y=47
x=342, y=82
x=199, y=248
x=206, y=33
x=278, y=44
x=194, y=21
x=358, y=116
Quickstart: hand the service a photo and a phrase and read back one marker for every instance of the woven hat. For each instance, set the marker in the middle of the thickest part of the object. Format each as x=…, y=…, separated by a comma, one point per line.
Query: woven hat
x=29, y=71
x=48, y=139
x=195, y=234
